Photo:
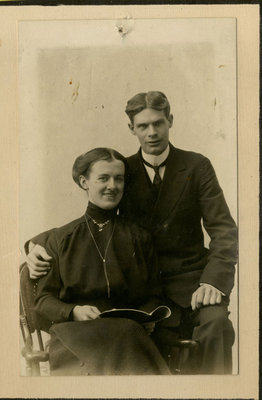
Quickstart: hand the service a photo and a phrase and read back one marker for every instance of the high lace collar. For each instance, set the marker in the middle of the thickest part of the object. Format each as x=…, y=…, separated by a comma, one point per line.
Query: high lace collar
x=99, y=214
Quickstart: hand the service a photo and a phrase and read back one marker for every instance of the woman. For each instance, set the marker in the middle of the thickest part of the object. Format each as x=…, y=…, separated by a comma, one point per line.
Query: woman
x=99, y=262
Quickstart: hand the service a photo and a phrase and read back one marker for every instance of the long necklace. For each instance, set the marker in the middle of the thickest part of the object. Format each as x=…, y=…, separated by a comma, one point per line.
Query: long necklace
x=100, y=254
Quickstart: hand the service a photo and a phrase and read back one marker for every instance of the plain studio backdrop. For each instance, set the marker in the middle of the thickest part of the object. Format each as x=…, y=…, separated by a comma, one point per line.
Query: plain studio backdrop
x=75, y=78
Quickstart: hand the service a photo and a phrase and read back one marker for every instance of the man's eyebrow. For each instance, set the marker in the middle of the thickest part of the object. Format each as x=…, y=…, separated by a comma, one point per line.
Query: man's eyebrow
x=109, y=174
x=141, y=123
x=148, y=123
x=158, y=120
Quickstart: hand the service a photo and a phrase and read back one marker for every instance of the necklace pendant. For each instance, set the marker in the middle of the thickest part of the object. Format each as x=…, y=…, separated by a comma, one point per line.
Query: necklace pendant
x=100, y=225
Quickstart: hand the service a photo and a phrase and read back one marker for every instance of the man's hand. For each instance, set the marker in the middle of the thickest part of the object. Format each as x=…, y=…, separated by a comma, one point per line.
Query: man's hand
x=37, y=261
x=84, y=313
x=149, y=327
x=205, y=295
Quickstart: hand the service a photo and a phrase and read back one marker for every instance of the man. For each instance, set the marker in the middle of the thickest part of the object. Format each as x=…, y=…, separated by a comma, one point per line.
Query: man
x=169, y=192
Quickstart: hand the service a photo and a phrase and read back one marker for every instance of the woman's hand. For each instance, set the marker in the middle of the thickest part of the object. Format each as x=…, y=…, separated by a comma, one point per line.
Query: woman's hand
x=37, y=261
x=84, y=313
x=149, y=327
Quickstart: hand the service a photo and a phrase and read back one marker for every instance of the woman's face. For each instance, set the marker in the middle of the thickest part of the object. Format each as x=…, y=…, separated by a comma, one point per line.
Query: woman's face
x=105, y=183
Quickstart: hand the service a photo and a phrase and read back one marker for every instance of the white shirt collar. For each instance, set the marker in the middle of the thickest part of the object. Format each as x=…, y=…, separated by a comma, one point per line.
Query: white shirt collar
x=156, y=159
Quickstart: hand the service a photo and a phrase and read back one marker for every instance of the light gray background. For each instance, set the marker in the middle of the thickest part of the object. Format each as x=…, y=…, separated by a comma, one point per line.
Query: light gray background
x=74, y=80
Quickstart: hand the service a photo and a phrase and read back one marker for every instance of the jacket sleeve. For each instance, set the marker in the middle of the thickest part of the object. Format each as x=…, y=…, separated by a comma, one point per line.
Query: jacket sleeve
x=220, y=226
x=47, y=301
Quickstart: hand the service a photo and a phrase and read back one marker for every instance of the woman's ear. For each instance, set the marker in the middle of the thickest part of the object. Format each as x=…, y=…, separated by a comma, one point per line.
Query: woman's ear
x=83, y=182
x=170, y=119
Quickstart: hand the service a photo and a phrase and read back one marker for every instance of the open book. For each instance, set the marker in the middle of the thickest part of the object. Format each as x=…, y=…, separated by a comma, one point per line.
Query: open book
x=140, y=316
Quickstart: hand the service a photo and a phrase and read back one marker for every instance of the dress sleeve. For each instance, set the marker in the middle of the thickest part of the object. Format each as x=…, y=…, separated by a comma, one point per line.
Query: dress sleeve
x=41, y=239
x=153, y=296
x=47, y=302
x=220, y=226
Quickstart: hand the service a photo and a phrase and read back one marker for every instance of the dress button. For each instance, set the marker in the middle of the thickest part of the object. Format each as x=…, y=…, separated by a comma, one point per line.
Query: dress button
x=82, y=364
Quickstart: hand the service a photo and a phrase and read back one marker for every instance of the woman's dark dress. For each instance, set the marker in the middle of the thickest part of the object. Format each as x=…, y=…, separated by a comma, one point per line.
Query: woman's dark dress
x=78, y=277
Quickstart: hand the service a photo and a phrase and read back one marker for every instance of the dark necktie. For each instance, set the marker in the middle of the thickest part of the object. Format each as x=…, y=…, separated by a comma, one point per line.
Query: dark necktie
x=157, y=178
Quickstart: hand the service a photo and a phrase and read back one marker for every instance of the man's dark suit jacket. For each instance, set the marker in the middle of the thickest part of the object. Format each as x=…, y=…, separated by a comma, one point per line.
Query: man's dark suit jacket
x=189, y=194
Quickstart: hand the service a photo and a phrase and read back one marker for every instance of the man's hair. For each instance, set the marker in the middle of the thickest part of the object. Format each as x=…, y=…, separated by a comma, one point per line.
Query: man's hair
x=155, y=100
x=84, y=163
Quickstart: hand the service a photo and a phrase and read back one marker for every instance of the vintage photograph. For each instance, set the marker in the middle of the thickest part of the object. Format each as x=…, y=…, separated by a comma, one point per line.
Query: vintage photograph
x=128, y=197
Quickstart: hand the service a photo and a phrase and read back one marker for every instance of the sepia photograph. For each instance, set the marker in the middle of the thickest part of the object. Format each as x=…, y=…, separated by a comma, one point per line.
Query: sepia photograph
x=140, y=115
x=130, y=227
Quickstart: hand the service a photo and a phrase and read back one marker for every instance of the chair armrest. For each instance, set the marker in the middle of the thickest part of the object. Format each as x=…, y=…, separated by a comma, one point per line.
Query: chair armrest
x=34, y=356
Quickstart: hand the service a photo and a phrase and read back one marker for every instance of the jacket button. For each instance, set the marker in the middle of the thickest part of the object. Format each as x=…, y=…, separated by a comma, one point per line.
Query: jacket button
x=82, y=364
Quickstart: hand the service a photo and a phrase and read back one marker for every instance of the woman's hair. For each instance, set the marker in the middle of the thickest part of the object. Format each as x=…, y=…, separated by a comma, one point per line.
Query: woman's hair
x=84, y=163
x=155, y=100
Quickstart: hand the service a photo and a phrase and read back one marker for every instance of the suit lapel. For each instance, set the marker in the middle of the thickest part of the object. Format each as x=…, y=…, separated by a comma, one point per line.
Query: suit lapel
x=172, y=187
x=141, y=186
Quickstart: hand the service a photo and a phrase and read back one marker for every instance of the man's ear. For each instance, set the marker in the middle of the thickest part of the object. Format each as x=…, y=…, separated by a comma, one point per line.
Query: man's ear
x=170, y=119
x=83, y=182
x=131, y=127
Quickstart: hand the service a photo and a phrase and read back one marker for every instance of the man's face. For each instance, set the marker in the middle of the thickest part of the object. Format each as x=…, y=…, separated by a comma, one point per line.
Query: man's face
x=152, y=130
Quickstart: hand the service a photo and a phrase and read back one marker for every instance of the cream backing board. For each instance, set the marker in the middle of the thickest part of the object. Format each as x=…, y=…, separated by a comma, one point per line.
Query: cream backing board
x=188, y=52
